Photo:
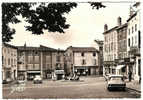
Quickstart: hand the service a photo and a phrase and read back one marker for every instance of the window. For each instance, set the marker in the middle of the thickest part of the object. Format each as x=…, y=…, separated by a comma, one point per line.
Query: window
x=48, y=59
x=2, y=60
x=129, y=31
x=139, y=39
x=94, y=54
x=132, y=29
x=129, y=42
x=58, y=58
x=37, y=60
x=30, y=59
x=135, y=27
x=83, y=62
x=94, y=61
x=37, y=67
x=8, y=61
x=11, y=61
x=135, y=39
x=82, y=54
x=132, y=41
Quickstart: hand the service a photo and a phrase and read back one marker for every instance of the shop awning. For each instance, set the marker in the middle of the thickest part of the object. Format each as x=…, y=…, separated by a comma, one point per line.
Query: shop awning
x=120, y=66
x=33, y=71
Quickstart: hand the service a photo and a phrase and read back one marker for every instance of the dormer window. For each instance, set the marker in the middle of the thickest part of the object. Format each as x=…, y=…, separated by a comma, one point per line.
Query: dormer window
x=82, y=54
x=94, y=54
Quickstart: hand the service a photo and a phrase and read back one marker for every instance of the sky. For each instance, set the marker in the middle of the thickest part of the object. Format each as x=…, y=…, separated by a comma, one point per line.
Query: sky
x=87, y=24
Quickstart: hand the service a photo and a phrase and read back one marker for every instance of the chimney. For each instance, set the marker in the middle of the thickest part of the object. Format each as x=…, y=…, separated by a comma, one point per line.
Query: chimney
x=105, y=27
x=119, y=21
x=132, y=11
x=25, y=44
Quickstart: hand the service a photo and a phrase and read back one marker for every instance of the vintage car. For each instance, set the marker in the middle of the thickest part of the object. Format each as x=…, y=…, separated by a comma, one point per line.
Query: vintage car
x=116, y=82
x=37, y=79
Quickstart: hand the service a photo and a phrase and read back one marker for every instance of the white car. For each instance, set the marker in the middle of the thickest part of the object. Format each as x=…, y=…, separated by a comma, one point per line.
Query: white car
x=37, y=79
x=116, y=82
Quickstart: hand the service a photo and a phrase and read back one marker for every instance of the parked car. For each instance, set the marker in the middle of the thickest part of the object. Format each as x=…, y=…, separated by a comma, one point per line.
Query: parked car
x=20, y=81
x=116, y=82
x=30, y=78
x=37, y=79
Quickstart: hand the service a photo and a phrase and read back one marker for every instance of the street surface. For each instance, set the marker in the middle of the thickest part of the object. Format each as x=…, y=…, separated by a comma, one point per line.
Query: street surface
x=87, y=87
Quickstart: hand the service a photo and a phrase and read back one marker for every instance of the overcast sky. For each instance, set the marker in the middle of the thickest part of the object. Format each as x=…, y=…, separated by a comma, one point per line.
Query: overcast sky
x=87, y=24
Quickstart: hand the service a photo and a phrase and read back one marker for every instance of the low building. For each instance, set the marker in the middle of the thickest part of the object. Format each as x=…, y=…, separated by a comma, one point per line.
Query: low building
x=9, y=62
x=82, y=60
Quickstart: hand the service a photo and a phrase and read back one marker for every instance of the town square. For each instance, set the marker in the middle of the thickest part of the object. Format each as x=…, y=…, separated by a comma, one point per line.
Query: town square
x=71, y=50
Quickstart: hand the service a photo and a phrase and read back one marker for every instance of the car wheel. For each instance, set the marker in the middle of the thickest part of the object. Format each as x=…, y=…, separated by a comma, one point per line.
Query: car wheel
x=109, y=89
x=124, y=89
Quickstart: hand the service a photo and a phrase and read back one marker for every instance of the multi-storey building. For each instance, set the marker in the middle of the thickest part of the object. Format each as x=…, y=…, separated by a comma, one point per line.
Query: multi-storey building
x=110, y=49
x=122, y=49
x=134, y=41
x=9, y=62
x=83, y=60
x=98, y=44
x=39, y=61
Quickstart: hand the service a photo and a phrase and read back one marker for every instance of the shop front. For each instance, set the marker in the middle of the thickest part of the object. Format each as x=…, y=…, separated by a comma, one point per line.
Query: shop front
x=58, y=74
x=32, y=74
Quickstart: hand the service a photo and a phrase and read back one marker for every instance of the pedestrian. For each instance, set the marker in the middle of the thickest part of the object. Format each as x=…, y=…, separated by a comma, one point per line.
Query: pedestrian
x=130, y=76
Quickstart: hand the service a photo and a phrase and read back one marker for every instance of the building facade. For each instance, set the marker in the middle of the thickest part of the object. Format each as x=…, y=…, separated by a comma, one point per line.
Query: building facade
x=39, y=61
x=9, y=62
x=122, y=50
x=98, y=44
x=82, y=60
x=134, y=41
x=110, y=49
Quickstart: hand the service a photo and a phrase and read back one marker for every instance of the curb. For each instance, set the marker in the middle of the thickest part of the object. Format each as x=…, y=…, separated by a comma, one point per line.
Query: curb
x=134, y=89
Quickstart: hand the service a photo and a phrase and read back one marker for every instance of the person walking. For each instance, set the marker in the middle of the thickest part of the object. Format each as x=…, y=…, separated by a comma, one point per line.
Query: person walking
x=130, y=76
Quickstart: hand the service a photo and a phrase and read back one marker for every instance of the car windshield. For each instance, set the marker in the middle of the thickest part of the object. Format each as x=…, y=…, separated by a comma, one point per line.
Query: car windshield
x=116, y=78
x=37, y=77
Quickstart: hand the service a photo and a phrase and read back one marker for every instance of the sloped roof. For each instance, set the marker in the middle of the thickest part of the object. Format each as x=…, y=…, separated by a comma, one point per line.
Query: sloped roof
x=26, y=48
x=9, y=45
x=112, y=29
x=132, y=16
x=122, y=26
x=83, y=49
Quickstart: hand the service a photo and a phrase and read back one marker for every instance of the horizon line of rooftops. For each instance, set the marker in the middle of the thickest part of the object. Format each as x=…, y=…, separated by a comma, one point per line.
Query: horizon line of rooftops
x=43, y=48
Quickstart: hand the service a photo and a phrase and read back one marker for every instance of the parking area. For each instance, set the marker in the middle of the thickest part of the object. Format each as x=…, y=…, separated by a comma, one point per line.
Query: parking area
x=87, y=87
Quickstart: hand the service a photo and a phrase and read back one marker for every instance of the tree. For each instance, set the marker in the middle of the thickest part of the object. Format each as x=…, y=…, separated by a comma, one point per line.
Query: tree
x=46, y=16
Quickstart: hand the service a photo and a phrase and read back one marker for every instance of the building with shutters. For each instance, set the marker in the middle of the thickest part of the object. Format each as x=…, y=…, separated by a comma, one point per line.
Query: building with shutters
x=9, y=62
x=82, y=60
x=134, y=41
x=39, y=61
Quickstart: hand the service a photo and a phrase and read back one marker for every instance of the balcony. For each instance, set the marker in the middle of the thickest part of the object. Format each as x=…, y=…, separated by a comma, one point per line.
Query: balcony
x=134, y=51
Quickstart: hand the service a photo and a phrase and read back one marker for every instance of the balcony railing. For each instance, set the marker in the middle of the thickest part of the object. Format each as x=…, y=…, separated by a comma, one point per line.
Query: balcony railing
x=134, y=51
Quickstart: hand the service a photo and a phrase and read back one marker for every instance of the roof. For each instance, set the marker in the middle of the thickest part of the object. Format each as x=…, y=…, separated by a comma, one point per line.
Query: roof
x=99, y=42
x=83, y=49
x=132, y=16
x=122, y=26
x=9, y=45
x=41, y=48
x=112, y=29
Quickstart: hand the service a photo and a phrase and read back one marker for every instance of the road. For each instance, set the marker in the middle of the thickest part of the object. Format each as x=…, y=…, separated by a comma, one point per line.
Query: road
x=87, y=87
